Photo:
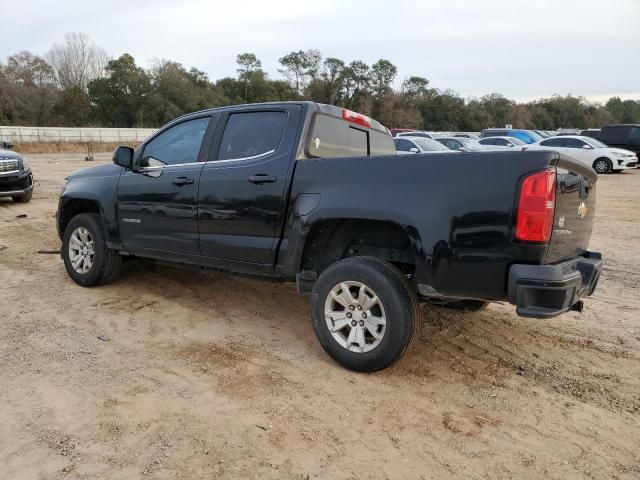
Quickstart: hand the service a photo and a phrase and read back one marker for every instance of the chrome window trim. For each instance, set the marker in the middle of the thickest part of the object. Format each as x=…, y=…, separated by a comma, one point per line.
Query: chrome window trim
x=253, y=157
x=158, y=167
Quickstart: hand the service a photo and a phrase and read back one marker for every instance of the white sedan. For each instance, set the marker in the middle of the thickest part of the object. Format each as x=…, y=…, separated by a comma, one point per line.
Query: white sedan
x=502, y=143
x=412, y=145
x=589, y=151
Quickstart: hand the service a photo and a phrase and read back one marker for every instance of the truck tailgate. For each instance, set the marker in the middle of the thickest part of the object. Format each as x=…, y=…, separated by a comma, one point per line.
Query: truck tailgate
x=575, y=210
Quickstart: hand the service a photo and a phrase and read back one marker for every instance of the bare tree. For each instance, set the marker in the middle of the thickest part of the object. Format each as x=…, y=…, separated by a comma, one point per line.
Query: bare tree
x=77, y=61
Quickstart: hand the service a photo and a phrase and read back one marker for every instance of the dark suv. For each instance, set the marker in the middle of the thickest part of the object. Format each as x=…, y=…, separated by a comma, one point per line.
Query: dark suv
x=625, y=136
x=16, y=179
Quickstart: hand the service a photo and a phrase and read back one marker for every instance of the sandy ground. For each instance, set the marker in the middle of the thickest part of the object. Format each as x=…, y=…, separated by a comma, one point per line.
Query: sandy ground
x=213, y=376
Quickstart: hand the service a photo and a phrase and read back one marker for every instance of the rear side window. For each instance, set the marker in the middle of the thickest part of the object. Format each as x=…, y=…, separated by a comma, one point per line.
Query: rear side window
x=251, y=134
x=573, y=143
x=380, y=143
x=358, y=141
x=333, y=137
x=554, y=142
x=635, y=133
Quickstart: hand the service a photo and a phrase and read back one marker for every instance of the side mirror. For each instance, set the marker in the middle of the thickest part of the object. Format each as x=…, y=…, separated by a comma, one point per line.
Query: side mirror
x=123, y=156
x=587, y=147
x=414, y=150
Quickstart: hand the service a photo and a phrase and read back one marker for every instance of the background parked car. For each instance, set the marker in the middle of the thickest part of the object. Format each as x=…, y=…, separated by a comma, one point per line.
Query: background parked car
x=462, y=144
x=417, y=133
x=16, y=179
x=502, y=143
x=591, y=132
x=527, y=136
x=543, y=133
x=470, y=135
x=625, y=136
x=412, y=145
x=395, y=131
x=589, y=151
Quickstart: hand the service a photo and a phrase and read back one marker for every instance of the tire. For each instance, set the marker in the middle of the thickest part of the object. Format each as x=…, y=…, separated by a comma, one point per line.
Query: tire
x=602, y=165
x=26, y=198
x=396, y=303
x=105, y=263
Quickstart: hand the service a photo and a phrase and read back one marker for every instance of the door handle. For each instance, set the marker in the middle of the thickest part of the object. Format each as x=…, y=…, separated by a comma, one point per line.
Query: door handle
x=182, y=181
x=262, y=178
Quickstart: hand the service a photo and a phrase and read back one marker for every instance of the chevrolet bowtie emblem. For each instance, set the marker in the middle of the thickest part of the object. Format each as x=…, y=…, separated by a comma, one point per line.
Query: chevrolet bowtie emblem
x=582, y=210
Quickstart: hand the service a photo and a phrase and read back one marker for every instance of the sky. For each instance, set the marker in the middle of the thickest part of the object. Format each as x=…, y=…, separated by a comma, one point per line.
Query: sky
x=522, y=49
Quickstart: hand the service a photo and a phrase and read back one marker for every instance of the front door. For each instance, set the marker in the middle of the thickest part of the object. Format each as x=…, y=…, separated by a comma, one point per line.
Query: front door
x=157, y=200
x=242, y=193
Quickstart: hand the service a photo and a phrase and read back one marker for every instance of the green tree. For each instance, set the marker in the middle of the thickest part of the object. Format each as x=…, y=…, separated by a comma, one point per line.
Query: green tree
x=298, y=67
x=248, y=64
x=120, y=95
x=383, y=72
x=413, y=90
x=74, y=107
x=357, y=79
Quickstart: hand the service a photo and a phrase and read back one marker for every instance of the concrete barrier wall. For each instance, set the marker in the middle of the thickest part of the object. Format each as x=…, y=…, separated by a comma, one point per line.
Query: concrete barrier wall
x=70, y=134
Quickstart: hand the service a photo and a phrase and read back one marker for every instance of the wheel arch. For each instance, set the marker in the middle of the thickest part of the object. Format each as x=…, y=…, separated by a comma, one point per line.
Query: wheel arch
x=331, y=239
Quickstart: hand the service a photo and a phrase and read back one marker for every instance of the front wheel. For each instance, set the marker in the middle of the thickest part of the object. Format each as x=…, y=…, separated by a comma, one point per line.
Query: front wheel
x=86, y=256
x=602, y=165
x=364, y=313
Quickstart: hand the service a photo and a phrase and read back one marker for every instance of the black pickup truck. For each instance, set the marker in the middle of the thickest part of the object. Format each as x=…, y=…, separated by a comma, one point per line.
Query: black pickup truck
x=16, y=179
x=315, y=194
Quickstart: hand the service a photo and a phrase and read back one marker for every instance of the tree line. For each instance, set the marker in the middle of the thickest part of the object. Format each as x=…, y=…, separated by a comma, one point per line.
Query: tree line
x=76, y=83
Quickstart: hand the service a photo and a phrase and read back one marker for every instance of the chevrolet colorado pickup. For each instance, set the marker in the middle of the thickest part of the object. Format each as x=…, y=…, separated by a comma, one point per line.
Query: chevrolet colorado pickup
x=312, y=193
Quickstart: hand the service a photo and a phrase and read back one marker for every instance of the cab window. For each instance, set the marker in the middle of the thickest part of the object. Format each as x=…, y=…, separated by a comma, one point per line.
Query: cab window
x=250, y=134
x=177, y=145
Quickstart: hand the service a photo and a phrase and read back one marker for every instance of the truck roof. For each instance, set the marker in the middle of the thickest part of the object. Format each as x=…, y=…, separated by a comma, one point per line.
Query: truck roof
x=324, y=108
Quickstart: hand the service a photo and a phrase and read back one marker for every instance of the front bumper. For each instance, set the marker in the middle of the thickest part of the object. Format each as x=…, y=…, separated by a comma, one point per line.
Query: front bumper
x=626, y=162
x=545, y=291
x=16, y=185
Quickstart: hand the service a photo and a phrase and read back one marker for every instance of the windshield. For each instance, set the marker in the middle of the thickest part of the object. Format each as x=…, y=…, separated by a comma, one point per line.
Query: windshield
x=535, y=136
x=517, y=141
x=595, y=143
x=428, y=145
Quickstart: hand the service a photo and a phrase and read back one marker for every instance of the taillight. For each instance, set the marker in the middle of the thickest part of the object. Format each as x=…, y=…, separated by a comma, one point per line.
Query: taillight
x=356, y=118
x=536, y=206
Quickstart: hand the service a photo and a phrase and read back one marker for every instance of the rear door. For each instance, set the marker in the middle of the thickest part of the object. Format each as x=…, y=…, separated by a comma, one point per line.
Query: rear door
x=242, y=194
x=575, y=210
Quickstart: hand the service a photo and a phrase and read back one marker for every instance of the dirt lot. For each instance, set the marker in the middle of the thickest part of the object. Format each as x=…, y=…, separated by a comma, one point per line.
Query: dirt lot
x=212, y=376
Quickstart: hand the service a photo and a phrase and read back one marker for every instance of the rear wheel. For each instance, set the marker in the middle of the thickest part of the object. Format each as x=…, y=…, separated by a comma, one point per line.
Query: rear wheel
x=602, y=165
x=86, y=256
x=364, y=313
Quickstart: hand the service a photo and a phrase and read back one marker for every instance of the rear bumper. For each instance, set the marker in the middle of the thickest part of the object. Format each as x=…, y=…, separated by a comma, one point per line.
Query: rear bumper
x=545, y=291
